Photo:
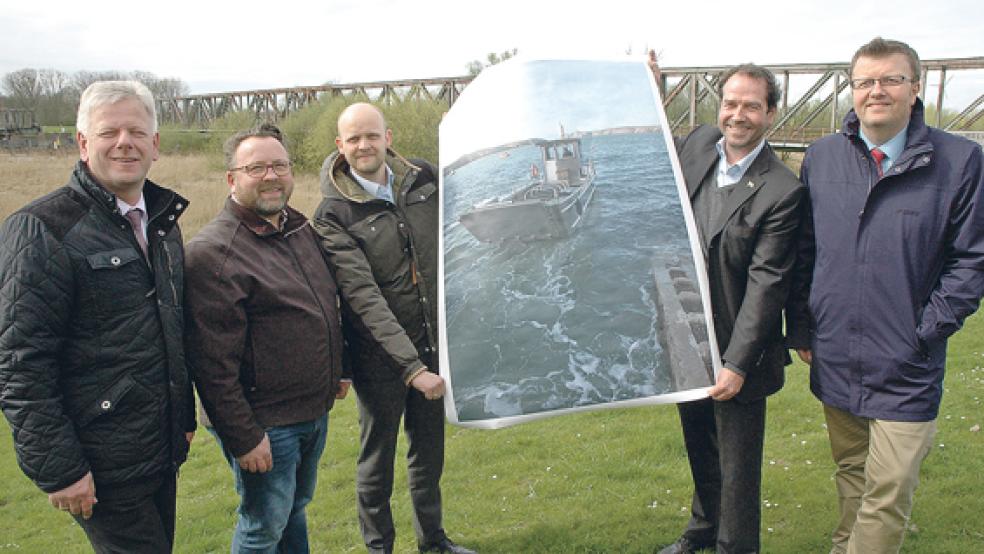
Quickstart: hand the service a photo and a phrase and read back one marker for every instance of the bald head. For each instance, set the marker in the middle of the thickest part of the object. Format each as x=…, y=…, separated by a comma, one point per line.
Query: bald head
x=363, y=140
x=360, y=111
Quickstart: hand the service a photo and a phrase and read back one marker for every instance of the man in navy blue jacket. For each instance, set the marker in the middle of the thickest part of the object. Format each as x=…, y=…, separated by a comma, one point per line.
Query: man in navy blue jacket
x=897, y=231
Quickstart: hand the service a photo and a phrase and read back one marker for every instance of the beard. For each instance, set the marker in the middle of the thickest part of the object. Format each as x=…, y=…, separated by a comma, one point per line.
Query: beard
x=368, y=165
x=270, y=207
x=265, y=206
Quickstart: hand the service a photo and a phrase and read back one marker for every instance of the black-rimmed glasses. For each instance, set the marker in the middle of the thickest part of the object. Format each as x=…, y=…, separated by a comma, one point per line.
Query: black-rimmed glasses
x=259, y=170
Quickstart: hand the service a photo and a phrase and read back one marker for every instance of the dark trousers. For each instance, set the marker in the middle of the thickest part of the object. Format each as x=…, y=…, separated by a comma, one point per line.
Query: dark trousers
x=381, y=406
x=136, y=517
x=724, y=445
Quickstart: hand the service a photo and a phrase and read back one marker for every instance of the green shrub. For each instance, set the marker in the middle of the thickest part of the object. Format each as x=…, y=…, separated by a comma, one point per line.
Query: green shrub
x=414, y=125
x=311, y=131
x=226, y=126
x=317, y=138
x=176, y=139
x=297, y=129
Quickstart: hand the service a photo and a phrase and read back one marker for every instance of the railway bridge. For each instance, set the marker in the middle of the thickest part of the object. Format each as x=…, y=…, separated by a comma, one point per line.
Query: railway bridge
x=689, y=95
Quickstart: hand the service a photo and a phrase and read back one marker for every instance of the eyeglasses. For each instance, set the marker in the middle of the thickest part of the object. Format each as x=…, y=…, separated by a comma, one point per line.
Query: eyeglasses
x=886, y=81
x=258, y=170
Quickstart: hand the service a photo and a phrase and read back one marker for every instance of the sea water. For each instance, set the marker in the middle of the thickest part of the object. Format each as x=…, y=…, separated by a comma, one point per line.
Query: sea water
x=553, y=324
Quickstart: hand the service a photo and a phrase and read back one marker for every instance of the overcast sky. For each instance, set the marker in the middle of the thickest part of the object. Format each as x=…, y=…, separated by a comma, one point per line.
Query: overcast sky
x=217, y=46
x=533, y=99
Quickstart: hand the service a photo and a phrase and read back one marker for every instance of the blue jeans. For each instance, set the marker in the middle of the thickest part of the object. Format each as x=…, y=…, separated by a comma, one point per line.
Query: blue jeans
x=271, y=507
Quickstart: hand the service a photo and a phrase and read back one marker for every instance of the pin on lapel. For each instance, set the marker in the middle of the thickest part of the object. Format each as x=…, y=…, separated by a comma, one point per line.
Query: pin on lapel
x=751, y=185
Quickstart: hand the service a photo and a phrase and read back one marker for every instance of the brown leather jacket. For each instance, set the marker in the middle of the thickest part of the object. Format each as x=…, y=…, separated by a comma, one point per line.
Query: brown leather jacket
x=264, y=341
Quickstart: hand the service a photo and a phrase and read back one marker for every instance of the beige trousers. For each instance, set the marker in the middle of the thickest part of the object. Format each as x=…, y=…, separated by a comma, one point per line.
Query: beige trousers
x=877, y=474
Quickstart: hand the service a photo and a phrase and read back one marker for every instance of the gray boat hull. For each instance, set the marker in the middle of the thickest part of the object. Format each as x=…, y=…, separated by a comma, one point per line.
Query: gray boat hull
x=525, y=217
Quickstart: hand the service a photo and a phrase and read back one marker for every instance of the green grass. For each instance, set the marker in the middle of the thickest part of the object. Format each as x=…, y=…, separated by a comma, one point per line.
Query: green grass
x=58, y=129
x=613, y=481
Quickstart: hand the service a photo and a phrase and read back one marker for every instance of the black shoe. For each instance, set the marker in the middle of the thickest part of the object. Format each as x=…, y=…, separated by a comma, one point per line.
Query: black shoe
x=445, y=545
x=683, y=546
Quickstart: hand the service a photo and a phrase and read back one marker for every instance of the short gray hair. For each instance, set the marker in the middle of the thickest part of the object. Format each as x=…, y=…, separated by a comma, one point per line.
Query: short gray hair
x=104, y=93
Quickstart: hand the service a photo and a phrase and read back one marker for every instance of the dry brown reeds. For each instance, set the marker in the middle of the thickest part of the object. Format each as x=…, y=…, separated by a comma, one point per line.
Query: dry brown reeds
x=200, y=179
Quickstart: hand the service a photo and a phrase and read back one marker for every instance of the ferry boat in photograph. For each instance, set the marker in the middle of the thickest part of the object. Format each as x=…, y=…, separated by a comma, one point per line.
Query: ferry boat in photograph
x=550, y=206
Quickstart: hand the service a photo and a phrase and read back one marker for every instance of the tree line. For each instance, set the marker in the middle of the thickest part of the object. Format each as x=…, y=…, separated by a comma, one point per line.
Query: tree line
x=53, y=95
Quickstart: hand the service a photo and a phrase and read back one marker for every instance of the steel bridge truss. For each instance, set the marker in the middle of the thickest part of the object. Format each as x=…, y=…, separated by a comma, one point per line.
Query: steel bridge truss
x=690, y=96
x=275, y=104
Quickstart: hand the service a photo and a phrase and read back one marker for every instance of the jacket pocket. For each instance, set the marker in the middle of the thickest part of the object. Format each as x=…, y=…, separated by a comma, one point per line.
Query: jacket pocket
x=106, y=402
x=117, y=279
x=384, y=239
x=112, y=259
x=421, y=194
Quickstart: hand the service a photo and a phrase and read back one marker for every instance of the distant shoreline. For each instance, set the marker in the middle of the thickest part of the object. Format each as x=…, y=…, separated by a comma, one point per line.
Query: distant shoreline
x=625, y=130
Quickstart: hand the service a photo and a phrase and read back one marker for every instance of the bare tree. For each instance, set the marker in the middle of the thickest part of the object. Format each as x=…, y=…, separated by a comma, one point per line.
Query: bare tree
x=54, y=95
x=22, y=88
x=52, y=81
x=167, y=87
x=82, y=79
x=43, y=91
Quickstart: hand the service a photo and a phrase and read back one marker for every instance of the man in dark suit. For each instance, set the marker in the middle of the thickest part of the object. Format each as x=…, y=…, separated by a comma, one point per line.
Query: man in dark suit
x=747, y=207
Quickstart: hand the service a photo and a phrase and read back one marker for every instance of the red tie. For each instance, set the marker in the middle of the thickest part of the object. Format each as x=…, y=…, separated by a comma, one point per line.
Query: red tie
x=878, y=155
x=136, y=221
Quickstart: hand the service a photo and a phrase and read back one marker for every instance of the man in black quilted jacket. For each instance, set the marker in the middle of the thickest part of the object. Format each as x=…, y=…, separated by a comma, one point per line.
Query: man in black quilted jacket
x=92, y=371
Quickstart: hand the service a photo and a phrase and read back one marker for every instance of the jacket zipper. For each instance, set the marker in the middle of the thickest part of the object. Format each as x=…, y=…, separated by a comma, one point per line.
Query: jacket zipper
x=170, y=264
x=405, y=190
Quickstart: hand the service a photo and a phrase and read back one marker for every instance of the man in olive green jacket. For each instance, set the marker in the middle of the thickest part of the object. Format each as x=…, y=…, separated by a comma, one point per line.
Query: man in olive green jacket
x=379, y=225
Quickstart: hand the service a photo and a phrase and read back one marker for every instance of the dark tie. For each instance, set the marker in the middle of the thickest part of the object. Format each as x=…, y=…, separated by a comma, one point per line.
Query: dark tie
x=878, y=155
x=136, y=221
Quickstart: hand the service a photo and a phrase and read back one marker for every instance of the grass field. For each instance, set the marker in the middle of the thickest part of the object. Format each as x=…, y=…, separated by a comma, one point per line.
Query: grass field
x=614, y=481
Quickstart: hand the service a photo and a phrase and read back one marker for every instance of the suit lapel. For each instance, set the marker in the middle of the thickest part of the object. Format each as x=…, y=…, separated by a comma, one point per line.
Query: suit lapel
x=693, y=174
x=750, y=183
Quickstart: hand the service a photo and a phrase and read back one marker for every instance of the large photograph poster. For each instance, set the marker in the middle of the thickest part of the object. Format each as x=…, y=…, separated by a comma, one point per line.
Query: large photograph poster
x=571, y=278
